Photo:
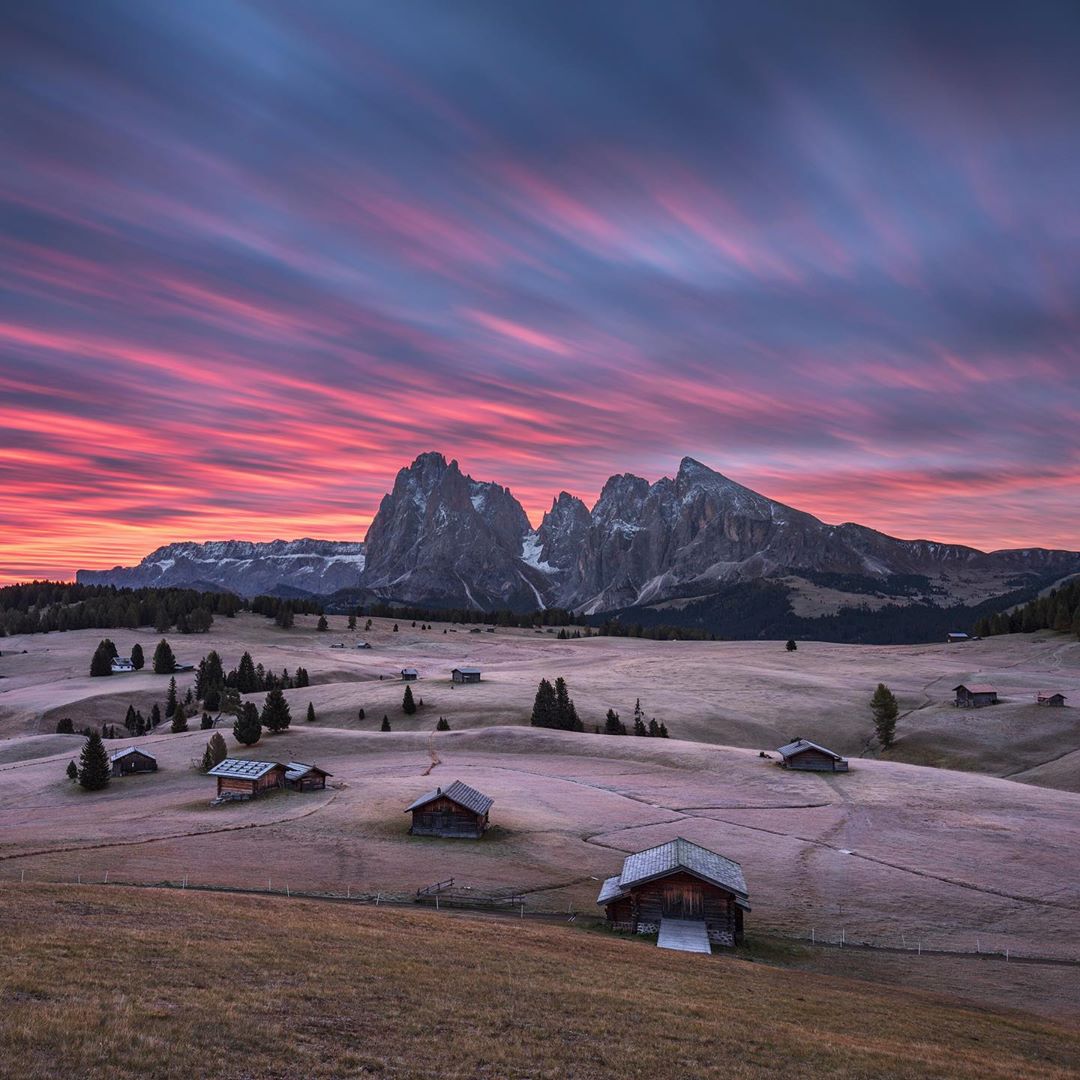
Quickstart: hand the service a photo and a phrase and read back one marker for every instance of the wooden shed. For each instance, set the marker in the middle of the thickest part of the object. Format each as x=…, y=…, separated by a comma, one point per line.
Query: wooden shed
x=302, y=777
x=810, y=757
x=455, y=811
x=238, y=778
x=1050, y=700
x=132, y=760
x=409, y=674
x=681, y=882
x=974, y=695
x=957, y=636
x=465, y=674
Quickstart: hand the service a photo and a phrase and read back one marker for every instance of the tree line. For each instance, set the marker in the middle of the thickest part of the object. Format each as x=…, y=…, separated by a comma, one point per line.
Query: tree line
x=1058, y=610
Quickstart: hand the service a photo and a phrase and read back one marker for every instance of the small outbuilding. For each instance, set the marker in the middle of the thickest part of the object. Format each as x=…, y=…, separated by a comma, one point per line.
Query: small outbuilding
x=455, y=811
x=465, y=674
x=238, y=778
x=810, y=757
x=132, y=760
x=1050, y=700
x=409, y=674
x=682, y=882
x=121, y=664
x=974, y=695
x=956, y=637
x=303, y=777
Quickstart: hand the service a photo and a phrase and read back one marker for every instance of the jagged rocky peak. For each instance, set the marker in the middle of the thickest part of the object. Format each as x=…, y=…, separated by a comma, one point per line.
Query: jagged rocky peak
x=561, y=533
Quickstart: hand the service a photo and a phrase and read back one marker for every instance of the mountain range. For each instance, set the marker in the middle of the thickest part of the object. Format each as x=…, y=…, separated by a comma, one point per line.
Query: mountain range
x=696, y=549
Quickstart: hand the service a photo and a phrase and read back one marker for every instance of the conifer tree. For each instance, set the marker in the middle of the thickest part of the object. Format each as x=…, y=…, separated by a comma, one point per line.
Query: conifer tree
x=179, y=720
x=164, y=661
x=138, y=661
x=245, y=675
x=207, y=722
x=101, y=662
x=360, y=714
x=170, y=698
x=65, y=726
x=613, y=725
x=639, y=719
x=275, y=714
x=129, y=719
x=395, y=628
x=883, y=706
x=352, y=620
x=442, y=725
x=385, y=723
x=663, y=731
x=654, y=729
x=408, y=705
x=247, y=729
x=219, y=751
x=791, y=646
x=94, y=766
x=284, y=617
x=155, y=715
x=566, y=716
x=310, y=713
x=72, y=771
x=322, y=623
x=544, y=712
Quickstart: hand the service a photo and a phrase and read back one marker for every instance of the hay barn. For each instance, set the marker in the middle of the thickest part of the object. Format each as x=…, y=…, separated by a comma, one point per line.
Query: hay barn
x=302, y=777
x=240, y=779
x=132, y=760
x=465, y=674
x=974, y=696
x=455, y=811
x=810, y=757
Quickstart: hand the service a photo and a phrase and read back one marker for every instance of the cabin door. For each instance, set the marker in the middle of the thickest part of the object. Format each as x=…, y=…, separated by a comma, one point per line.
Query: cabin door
x=683, y=902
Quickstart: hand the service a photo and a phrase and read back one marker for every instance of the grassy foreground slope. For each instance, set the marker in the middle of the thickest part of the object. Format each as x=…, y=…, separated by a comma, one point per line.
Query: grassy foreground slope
x=101, y=981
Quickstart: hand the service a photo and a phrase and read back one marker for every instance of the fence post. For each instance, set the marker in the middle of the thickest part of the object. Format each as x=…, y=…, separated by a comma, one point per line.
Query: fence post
x=287, y=893
x=106, y=881
x=813, y=937
x=268, y=884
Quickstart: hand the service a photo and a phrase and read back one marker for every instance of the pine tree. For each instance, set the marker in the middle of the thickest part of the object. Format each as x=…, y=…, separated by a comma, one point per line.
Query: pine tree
x=442, y=725
x=284, y=617
x=302, y=678
x=544, y=713
x=101, y=662
x=247, y=729
x=138, y=661
x=207, y=722
x=360, y=714
x=310, y=713
x=207, y=760
x=219, y=751
x=179, y=720
x=395, y=628
x=72, y=771
x=164, y=661
x=155, y=716
x=883, y=706
x=408, y=706
x=352, y=620
x=613, y=725
x=663, y=731
x=245, y=675
x=275, y=715
x=170, y=699
x=639, y=719
x=65, y=726
x=322, y=623
x=791, y=646
x=654, y=729
x=566, y=716
x=129, y=719
x=95, y=768
x=385, y=723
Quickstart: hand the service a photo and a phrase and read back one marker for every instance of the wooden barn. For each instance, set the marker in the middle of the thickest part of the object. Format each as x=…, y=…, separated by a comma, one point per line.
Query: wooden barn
x=1050, y=700
x=465, y=674
x=456, y=811
x=409, y=674
x=810, y=757
x=690, y=896
x=132, y=760
x=302, y=777
x=974, y=696
x=957, y=636
x=241, y=779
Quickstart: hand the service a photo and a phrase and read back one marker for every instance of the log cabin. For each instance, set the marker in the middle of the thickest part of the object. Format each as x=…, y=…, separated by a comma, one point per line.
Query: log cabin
x=132, y=760
x=974, y=696
x=465, y=674
x=302, y=777
x=1050, y=700
x=455, y=811
x=409, y=674
x=681, y=881
x=238, y=778
x=810, y=757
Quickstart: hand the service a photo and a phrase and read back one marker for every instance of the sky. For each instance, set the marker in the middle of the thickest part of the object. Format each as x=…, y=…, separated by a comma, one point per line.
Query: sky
x=255, y=257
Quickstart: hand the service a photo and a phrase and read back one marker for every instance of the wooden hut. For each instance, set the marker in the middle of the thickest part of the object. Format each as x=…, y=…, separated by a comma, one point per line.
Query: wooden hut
x=132, y=760
x=302, y=777
x=465, y=674
x=455, y=811
x=810, y=757
x=409, y=674
x=955, y=637
x=974, y=695
x=241, y=779
x=681, y=882
x=1050, y=700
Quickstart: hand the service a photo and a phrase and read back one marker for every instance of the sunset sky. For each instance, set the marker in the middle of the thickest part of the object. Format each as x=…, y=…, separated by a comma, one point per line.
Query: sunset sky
x=255, y=257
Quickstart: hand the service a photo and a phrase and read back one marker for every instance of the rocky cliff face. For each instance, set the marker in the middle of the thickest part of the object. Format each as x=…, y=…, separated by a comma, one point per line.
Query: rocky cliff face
x=441, y=537
x=445, y=539
x=242, y=567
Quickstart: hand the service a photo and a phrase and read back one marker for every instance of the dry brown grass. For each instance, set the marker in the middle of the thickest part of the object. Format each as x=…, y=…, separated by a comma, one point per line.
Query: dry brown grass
x=103, y=982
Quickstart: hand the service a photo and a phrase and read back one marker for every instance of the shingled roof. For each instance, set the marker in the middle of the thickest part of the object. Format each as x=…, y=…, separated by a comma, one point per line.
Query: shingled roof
x=131, y=750
x=296, y=769
x=245, y=770
x=669, y=858
x=799, y=745
x=457, y=792
x=976, y=688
